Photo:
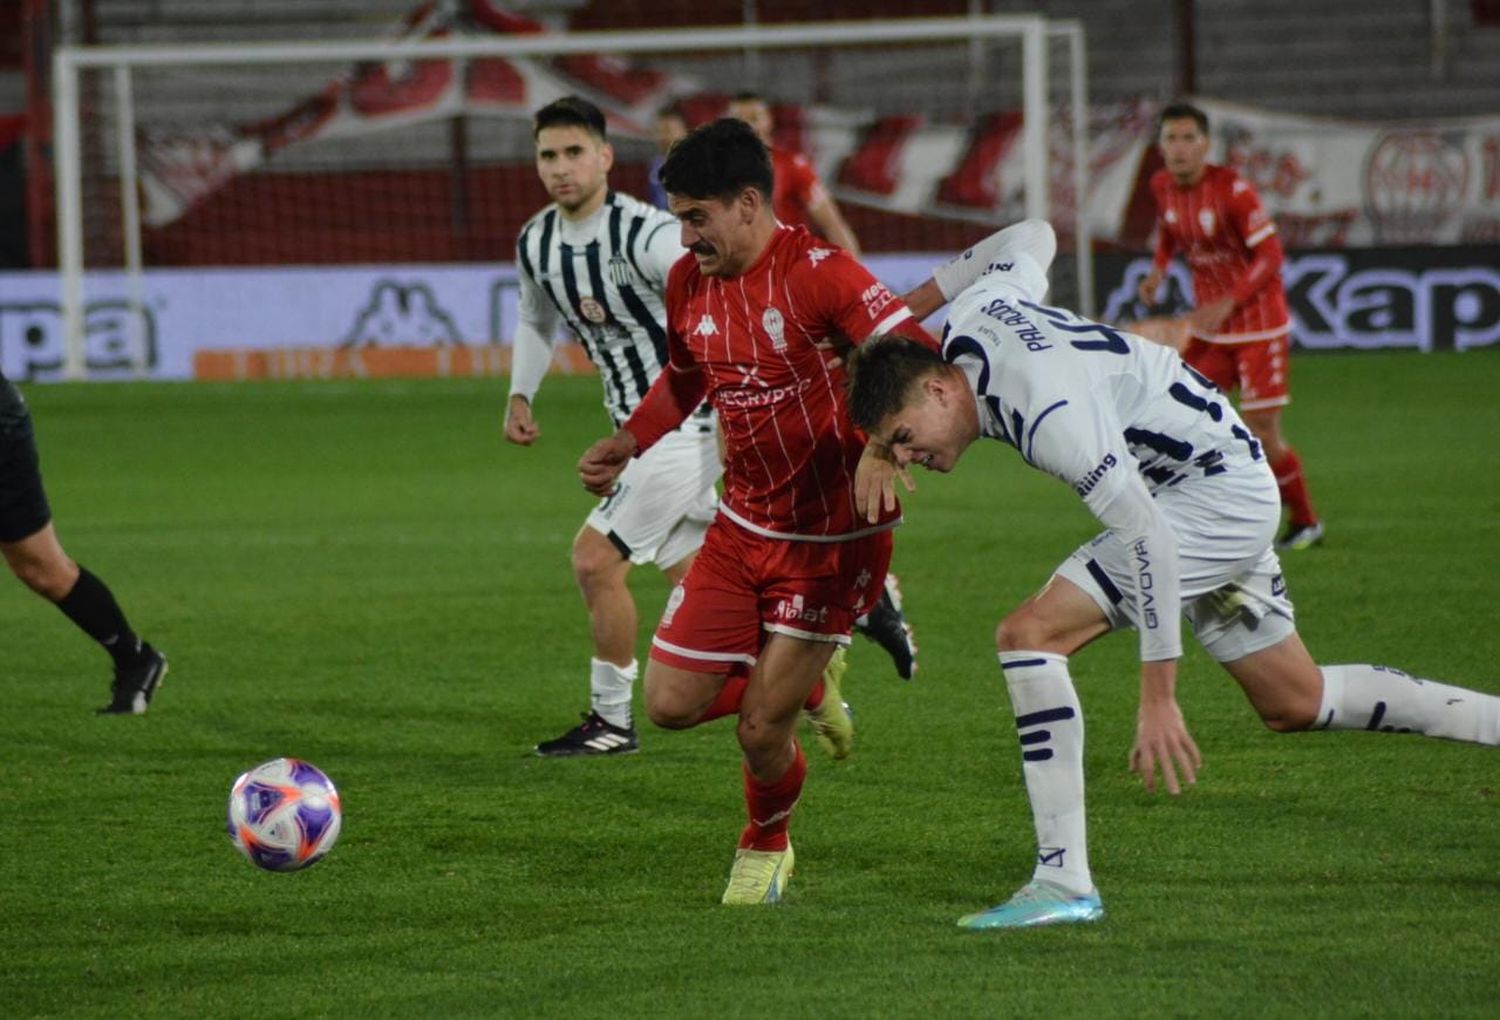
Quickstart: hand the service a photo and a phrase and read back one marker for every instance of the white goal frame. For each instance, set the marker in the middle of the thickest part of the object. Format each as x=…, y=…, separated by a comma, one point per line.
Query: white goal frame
x=69, y=62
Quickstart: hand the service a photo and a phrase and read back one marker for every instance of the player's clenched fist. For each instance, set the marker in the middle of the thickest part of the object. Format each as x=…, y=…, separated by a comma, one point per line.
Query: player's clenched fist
x=602, y=463
x=520, y=427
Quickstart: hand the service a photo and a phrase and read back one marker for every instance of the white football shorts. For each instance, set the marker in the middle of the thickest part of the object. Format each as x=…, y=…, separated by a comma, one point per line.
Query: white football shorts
x=1233, y=593
x=663, y=500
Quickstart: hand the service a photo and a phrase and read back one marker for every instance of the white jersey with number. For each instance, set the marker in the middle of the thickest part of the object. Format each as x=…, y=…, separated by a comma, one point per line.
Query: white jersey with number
x=1116, y=417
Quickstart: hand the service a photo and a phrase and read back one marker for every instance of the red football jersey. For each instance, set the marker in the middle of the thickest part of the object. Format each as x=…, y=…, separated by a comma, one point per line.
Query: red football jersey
x=1231, y=247
x=797, y=188
x=748, y=343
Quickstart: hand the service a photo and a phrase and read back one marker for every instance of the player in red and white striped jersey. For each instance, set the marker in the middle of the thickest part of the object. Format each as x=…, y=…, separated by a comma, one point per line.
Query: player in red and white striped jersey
x=786, y=567
x=1239, y=331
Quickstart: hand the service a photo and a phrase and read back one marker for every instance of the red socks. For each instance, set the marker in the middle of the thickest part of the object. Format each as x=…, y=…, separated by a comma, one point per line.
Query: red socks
x=728, y=701
x=1293, y=488
x=733, y=692
x=770, y=806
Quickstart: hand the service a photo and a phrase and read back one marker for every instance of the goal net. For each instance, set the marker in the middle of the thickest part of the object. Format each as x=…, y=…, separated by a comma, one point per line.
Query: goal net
x=416, y=149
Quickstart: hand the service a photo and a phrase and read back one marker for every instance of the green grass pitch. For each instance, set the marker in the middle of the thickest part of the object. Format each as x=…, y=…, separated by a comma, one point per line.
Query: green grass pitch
x=366, y=576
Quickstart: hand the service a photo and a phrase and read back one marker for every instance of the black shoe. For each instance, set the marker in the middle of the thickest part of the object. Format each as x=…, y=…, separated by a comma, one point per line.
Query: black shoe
x=595, y=735
x=134, y=685
x=887, y=627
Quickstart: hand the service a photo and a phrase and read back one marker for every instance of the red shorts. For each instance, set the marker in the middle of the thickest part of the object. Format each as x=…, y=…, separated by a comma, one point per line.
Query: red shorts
x=743, y=586
x=1259, y=369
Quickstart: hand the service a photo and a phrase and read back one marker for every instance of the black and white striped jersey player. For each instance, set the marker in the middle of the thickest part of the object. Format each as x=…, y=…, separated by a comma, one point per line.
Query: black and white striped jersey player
x=604, y=278
x=596, y=261
x=1190, y=510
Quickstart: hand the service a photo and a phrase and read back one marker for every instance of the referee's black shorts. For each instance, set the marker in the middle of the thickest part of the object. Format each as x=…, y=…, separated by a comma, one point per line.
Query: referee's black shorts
x=23, y=503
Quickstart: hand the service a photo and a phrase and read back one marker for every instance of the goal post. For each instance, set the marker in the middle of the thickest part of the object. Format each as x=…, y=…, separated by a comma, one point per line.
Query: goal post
x=123, y=113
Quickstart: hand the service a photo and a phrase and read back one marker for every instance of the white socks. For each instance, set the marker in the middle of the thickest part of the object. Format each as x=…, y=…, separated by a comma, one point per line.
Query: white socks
x=1049, y=722
x=1360, y=697
x=610, y=687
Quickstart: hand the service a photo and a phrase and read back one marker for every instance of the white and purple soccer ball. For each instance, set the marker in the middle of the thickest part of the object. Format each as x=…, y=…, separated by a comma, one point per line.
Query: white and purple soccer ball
x=284, y=814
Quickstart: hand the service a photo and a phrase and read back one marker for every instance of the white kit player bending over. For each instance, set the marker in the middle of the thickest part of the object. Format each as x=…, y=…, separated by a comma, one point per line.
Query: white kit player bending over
x=1190, y=510
x=597, y=261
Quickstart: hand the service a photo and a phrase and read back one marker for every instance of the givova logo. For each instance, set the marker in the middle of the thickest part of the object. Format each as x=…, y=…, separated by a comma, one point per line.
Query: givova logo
x=402, y=315
x=33, y=346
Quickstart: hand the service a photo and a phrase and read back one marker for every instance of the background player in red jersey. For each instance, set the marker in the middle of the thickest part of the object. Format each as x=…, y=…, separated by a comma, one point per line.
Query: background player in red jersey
x=787, y=564
x=1239, y=331
x=799, y=198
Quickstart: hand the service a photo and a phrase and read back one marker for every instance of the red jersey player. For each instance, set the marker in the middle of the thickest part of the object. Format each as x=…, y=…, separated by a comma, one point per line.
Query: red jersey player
x=1239, y=331
x=787, y=564
x=798, y=198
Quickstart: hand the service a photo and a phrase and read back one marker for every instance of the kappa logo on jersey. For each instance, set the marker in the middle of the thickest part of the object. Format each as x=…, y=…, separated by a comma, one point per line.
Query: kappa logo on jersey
x=817, y=255
x=796, y=609
x=876, y=297
x=707, y=326
x=1207, y=221
x=775, y=326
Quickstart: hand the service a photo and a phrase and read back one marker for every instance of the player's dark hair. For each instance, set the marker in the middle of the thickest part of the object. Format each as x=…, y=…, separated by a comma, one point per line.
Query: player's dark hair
x=718, y=160
x=749, y=96
x=569, y=111
x=882, y=372
x=1177, y=111
x=671, y=110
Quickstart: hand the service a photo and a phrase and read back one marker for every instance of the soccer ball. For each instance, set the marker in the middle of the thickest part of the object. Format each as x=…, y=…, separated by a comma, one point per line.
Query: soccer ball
x=284, y=814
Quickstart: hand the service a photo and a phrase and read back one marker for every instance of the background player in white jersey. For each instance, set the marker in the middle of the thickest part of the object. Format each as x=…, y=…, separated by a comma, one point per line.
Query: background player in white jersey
x=597, y=261
x=1190, y=508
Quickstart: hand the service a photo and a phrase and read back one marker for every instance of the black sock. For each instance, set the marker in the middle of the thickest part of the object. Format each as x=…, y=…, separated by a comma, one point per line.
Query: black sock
x=93, y=608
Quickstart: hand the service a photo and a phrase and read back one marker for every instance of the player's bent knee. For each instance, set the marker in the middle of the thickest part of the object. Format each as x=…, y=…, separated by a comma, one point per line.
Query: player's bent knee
x=756, y=735
x=1021, y=631
x=1289, y=717
x=672, y=706
x=670, y=716
x=596, y=562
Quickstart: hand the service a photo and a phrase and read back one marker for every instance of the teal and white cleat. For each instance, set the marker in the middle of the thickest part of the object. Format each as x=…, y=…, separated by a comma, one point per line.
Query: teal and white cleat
x=1034, y=905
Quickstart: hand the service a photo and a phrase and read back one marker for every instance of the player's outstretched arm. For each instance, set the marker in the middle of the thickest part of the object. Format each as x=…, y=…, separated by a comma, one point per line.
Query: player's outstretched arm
x=925, y=299
x=602, y=463
x=1025, y=250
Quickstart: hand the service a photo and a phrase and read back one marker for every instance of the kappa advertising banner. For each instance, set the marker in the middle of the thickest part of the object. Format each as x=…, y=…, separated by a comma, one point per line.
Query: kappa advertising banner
x=298, y=313
x=1426, y=298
